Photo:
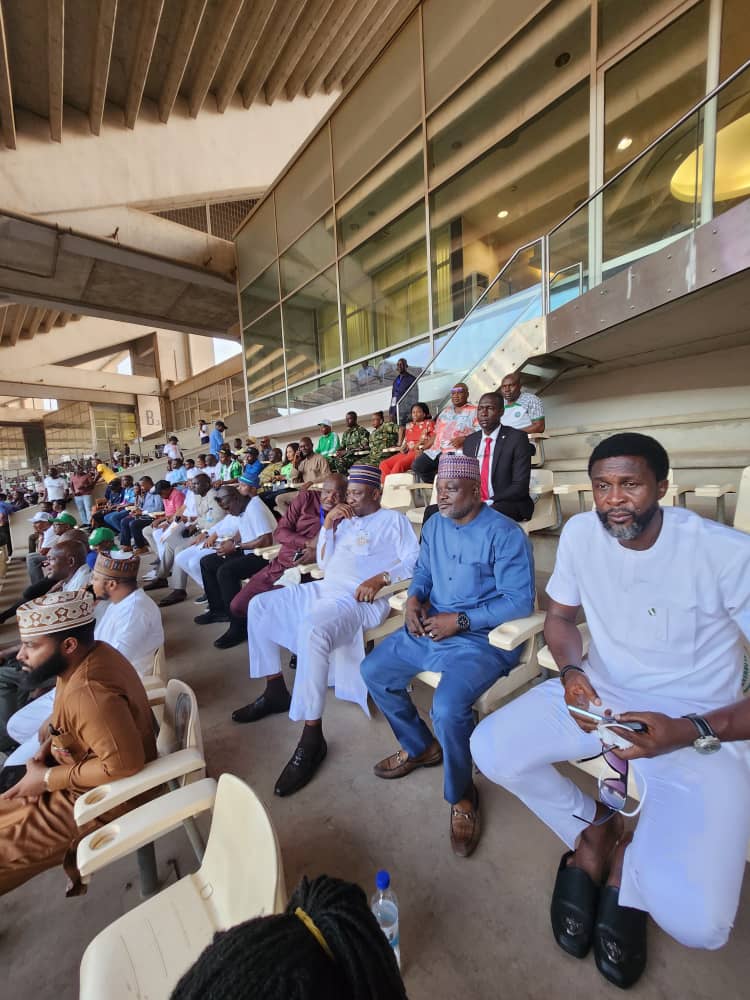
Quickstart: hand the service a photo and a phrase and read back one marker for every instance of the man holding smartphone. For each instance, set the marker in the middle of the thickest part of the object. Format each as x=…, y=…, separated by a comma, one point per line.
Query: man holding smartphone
x=666, y=595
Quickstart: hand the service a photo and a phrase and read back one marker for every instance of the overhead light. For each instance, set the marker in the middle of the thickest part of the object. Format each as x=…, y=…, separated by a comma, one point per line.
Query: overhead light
x=625, y=143
x=503, y=214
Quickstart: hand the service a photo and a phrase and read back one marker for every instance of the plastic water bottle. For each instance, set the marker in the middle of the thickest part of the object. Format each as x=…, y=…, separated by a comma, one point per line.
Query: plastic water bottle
x=385, y=907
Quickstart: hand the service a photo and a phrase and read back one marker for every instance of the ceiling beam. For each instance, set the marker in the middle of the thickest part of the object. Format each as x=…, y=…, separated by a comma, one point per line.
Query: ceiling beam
x=277, y=31
x=319, y=45
x=372, y=25
x=62, y=318
x=376, y=43
x=15, y=330
x=55, y=58
x=34, y=320
x=187, y=32
x=339, y=44
x=49, y=321
x=247, y=42
x=4, y=311
x=7, y=118
x=105, y=32
x=212, y=57
x=144, y=49
x=313, y=17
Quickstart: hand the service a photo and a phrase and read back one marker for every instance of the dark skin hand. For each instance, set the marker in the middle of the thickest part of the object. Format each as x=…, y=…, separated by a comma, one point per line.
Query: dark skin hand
x=436, y=626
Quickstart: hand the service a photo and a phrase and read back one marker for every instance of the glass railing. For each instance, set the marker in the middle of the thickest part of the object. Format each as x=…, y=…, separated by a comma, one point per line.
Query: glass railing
x=694, y=171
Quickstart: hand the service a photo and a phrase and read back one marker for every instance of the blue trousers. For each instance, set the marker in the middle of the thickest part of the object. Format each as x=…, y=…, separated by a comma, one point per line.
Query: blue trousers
x=468, y=664
x=115, y=519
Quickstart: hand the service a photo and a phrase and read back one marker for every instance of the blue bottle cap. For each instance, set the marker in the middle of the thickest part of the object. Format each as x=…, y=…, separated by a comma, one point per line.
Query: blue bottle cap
x=382, y=880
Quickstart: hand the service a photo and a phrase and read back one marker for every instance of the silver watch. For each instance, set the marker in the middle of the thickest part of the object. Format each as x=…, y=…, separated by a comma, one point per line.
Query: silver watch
x=707, y=740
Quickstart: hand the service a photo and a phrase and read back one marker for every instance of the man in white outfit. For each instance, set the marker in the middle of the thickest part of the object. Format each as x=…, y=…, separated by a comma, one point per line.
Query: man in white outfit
x=232, y=504
x=667, y=600
x=131, y=624
x=361, y=549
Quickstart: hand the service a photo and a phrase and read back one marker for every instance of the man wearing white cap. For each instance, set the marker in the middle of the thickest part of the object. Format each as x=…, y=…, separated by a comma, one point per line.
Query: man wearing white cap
x=35, y=560
x=101, y=730
x=328, y=442
x=130, y=623
x=361, y=548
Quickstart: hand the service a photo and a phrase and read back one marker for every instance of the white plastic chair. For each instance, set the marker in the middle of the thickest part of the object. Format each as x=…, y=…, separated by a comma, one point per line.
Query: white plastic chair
x=398, y=493
x=144, y=953
x=547, y=513
x=180, y=762
x=720, y=493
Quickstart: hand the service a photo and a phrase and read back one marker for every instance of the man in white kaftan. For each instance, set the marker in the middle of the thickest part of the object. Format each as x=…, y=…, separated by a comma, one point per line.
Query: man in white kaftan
x=361, y=549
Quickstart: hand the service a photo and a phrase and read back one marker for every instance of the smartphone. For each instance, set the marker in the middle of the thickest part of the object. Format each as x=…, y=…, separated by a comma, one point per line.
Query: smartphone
x=634, y=727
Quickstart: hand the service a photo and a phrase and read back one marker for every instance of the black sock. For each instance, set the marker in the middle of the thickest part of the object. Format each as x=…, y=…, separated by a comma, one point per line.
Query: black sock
x=276, y=690
x=312, y=737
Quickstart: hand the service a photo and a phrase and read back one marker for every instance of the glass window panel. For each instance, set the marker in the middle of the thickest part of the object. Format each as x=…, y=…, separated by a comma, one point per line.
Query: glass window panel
x=305, y=192
x=384, y=287
x=256, y=243
x=649, y=89
x=386, y=191
x=269, y=408
x=475, y=33
x=12, y=449
x=316, y=392
x=308, y=255
x=735, y=36
x=544, y=62
x=533, y=181
x=732, y=171
x=311, y=328
x=378, y=114
x=264, y=354
x=380, y=370
x=260, y=295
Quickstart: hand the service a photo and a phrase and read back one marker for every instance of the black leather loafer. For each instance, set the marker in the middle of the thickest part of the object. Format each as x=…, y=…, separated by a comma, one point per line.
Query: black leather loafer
x=619, y=940
x=300, y=769
x=260, y=708
x=210, y=618
x=573, y=908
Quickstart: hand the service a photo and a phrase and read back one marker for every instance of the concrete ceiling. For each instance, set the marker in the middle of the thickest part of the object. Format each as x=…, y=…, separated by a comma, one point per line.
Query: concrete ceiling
x=86, y=54
x=44, y=269
x=19, y=322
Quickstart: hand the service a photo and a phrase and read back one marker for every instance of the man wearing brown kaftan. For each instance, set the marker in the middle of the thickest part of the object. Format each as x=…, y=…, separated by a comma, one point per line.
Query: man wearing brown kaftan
x=101, y=730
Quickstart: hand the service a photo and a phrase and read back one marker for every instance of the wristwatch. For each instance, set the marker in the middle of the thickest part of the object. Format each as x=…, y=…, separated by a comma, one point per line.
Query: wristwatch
x=707, y=741
x=386, y=579
x=462, y=621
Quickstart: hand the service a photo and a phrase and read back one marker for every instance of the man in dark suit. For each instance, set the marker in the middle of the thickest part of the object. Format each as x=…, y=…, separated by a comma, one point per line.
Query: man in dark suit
x=504, y=462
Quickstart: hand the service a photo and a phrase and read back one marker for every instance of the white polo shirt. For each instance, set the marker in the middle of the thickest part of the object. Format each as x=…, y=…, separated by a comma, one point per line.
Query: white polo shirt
x=666, y=623
x=256, y=520
x=55, y=487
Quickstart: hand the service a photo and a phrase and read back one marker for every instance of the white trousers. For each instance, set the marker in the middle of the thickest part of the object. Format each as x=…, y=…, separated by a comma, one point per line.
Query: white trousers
x=687, y=859
x=173, y=544
x=156, y=537
x=324, y=630
x=188, y=560
x=23, y=727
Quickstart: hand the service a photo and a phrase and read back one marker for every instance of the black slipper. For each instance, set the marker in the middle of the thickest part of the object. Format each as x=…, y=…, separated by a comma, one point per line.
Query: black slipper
x=619, y=940
x=573, y=909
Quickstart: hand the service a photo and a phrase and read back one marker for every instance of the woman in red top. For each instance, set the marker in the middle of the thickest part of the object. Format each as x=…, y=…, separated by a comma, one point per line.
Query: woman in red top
x=418, y=437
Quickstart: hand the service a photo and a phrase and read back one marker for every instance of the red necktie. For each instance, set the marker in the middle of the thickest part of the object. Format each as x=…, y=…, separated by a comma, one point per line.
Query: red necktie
x=485, y=474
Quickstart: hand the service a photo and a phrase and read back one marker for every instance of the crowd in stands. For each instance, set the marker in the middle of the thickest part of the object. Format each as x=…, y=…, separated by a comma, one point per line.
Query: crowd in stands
x=666, y=644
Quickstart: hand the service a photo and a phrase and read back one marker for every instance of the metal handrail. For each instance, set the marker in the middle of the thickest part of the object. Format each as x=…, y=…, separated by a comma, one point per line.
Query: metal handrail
x=655, y=142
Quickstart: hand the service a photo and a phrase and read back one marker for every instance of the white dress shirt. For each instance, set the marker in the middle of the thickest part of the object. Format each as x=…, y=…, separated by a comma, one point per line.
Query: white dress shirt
x=480, y=455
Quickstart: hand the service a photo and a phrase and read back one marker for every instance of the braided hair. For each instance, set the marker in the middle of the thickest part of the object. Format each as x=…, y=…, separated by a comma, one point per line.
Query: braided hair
x=278, y=958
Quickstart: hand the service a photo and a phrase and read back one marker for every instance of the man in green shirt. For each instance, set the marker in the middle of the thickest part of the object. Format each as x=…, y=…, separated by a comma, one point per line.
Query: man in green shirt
x=384, y=435
x=329, y=443
x=354, y=441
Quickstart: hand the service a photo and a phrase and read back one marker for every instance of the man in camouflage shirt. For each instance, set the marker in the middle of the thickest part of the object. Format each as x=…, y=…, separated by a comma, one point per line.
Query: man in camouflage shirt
x=354, y=439
x=384, y=435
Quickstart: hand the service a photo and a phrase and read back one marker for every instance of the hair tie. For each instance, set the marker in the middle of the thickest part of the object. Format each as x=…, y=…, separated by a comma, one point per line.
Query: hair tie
x=310, y=924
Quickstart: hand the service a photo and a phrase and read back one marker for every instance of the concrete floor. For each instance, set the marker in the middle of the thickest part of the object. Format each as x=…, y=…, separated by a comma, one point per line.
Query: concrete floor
x=475, y=928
